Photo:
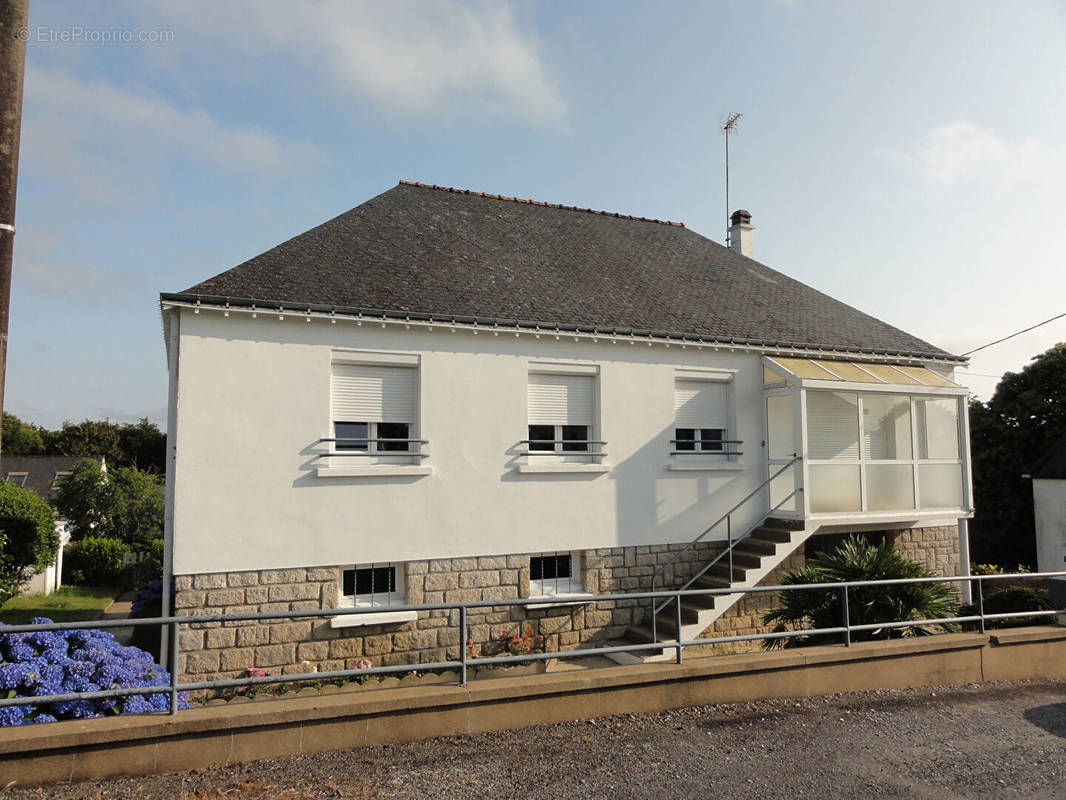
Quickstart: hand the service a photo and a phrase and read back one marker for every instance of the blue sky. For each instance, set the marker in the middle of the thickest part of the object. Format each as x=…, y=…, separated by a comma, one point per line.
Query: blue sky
x=907, y=158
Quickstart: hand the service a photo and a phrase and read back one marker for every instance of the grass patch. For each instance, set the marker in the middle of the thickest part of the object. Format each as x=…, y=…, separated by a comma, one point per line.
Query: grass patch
x=67, y=604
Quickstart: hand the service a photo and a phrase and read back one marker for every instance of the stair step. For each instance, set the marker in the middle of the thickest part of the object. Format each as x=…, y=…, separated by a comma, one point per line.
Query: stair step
x=761, y=547
x=709, y=581
x=772, y=534
x=642, y=635
x=745, y=558
x=721, y=570
x=787, y=524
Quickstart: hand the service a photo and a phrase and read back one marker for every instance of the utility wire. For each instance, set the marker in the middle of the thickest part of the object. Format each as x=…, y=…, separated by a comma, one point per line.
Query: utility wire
x=1019, y=333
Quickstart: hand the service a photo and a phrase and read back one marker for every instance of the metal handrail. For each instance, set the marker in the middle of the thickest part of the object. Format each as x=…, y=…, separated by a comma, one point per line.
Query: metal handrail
x=465, y=661
x=368, y=453
x=727, y=517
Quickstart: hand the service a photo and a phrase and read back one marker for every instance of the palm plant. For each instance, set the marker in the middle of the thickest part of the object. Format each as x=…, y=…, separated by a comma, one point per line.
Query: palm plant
x=857, y=559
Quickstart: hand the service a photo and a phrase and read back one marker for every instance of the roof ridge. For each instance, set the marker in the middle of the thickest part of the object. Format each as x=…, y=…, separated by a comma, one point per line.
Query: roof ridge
x=454, y=190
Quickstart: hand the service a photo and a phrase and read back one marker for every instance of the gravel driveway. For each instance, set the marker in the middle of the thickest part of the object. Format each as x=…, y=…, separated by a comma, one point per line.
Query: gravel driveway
x=999, y=740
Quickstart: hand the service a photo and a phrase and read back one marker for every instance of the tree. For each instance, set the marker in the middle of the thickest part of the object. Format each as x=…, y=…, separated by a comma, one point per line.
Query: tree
x=858, y=559
x=90, y=438
x=124, y=503
x=1025, y=415
x=143, y=446
x=21, y=439
x=28, y=538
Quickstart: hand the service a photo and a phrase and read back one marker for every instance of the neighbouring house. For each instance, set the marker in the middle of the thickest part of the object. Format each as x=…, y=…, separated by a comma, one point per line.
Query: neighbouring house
x=443, y=395
x=1049, y=507
x=44, y=474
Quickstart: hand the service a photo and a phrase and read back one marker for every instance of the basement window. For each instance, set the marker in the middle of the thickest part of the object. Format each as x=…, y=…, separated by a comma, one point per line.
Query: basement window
x=554, y=575
x=377, y=586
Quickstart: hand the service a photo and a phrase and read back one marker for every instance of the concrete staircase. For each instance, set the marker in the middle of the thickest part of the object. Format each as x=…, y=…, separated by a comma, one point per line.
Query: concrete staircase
x=754, y=557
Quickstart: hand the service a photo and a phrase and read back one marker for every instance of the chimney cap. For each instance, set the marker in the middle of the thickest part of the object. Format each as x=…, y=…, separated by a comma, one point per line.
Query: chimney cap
x=741, y=217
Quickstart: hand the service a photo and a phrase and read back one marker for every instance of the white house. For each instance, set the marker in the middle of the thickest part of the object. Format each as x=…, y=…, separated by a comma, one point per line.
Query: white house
x=448, y=395
x=1049, y=507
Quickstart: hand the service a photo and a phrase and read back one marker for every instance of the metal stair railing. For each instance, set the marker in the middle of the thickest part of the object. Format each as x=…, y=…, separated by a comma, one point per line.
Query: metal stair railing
x=731, y=543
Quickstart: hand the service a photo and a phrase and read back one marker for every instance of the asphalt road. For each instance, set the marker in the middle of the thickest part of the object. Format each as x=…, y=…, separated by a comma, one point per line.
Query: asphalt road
x=1004, y=740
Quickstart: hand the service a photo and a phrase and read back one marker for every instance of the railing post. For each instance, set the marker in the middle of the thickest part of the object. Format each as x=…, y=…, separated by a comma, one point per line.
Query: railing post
x=677, y=606
x=729, y=534
x=174, y=666
x=847, y=618
x=462, y=645
x=981, y=602
x=654, y=600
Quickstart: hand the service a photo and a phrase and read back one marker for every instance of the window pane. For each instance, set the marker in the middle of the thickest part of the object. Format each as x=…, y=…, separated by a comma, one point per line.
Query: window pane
x=349, y=431
x=834, y=487
x=578, y=434
x=938, y=428
x=541, y=436
x=780, y=423
x=848, y=371
x=890, y=374
x=802, y=368
x=711, y=438
x=686, y=439
x=940, y=485
x=886, y=426
x=549, y=567
x=375, y=581
x=889, y=487
x=833, y=425
x=348, y=583
x=393, y=430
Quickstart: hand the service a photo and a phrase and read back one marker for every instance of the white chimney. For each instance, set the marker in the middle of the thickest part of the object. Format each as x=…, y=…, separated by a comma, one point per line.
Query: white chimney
x=740, y=229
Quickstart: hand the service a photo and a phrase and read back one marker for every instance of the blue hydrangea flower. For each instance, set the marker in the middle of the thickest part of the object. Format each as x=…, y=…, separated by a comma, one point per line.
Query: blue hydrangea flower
x=11, y=715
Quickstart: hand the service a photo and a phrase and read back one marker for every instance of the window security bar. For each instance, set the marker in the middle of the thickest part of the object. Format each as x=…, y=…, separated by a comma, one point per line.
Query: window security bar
x=375, y=453
x=465, y=661
x=569, y=447
x=713, y=447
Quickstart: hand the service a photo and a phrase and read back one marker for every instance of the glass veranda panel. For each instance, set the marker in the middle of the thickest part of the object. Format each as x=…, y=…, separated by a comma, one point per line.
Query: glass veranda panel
x=889, y=487
x=834, y=487
x=940, y=485
x=937, y=419
x=886, y=427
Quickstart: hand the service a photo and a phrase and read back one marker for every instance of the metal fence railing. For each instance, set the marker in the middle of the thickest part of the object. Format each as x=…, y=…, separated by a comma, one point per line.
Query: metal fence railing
x=466, y=661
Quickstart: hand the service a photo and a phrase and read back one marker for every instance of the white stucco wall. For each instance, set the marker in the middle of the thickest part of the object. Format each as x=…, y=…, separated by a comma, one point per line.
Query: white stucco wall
x=1049, y=506
x=253, y=397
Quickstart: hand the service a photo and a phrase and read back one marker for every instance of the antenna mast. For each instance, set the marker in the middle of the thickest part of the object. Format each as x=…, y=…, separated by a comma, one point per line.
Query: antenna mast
x=729, y=124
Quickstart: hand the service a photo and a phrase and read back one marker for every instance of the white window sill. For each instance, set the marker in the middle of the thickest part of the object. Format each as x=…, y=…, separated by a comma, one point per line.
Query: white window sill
x=376, y=471
x=704, y=466
x=558, y=600
x=380, y=618
x=545, y=468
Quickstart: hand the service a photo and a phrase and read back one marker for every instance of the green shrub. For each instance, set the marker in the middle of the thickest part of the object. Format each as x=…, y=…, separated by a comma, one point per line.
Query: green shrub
x=857, y=559
x=94, y=561
x=28, y=538
x=1008, y=600
x=150, y=568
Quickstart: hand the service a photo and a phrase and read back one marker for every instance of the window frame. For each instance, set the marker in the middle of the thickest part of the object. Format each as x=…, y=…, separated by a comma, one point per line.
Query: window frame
x=22, y=476
x=388, y=600
x=552, y=589
x=559, y=458
x=726, y=455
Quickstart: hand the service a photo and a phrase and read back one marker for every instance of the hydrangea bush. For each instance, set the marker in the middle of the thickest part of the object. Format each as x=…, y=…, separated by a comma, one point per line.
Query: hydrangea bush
x=62, y=662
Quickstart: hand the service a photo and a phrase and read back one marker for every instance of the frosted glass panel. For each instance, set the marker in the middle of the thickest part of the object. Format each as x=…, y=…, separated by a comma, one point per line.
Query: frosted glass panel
x=940, y=485
x=782, y=486
x=779, y=423
x=938, y=427
x=889, y=487
x=886, y=427
x=833, y=425
x=834, y=487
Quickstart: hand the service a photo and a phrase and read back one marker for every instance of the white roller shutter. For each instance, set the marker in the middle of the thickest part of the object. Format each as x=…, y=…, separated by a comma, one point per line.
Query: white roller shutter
x=560, y=399
x=365, y=393
x=701, y=404
x=832, y=425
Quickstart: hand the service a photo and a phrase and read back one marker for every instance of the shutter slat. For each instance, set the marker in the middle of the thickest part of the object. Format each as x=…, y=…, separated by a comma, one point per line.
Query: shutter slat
x=560, y=399
x=367, y=393
x=701, y=404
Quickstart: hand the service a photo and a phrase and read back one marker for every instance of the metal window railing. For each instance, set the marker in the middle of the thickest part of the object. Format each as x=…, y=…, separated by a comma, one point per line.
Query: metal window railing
x=588, y=444
x=466, y=661
x=376, y=451
x=707, y=447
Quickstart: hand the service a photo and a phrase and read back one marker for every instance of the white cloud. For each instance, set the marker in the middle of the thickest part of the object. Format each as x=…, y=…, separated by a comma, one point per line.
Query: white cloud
x=69, y=117
x=961, y=151
x=406, y=56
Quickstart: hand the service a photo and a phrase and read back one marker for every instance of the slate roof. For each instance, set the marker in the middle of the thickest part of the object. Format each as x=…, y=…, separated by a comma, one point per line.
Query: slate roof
x=1052, y=463
x=41, y=471
x=450, y=254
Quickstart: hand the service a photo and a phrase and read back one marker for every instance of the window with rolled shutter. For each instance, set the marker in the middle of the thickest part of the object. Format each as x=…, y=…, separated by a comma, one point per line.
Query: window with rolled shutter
x=701, y=404
x=373, y=393
x=560, y=399
x=833, y=425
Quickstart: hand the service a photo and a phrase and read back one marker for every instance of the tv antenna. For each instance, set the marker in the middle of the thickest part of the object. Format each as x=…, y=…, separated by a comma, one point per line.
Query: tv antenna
x=729, y=125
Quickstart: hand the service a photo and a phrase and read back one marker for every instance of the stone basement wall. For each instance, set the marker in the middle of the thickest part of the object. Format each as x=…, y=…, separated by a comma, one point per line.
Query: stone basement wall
x=227, y=650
